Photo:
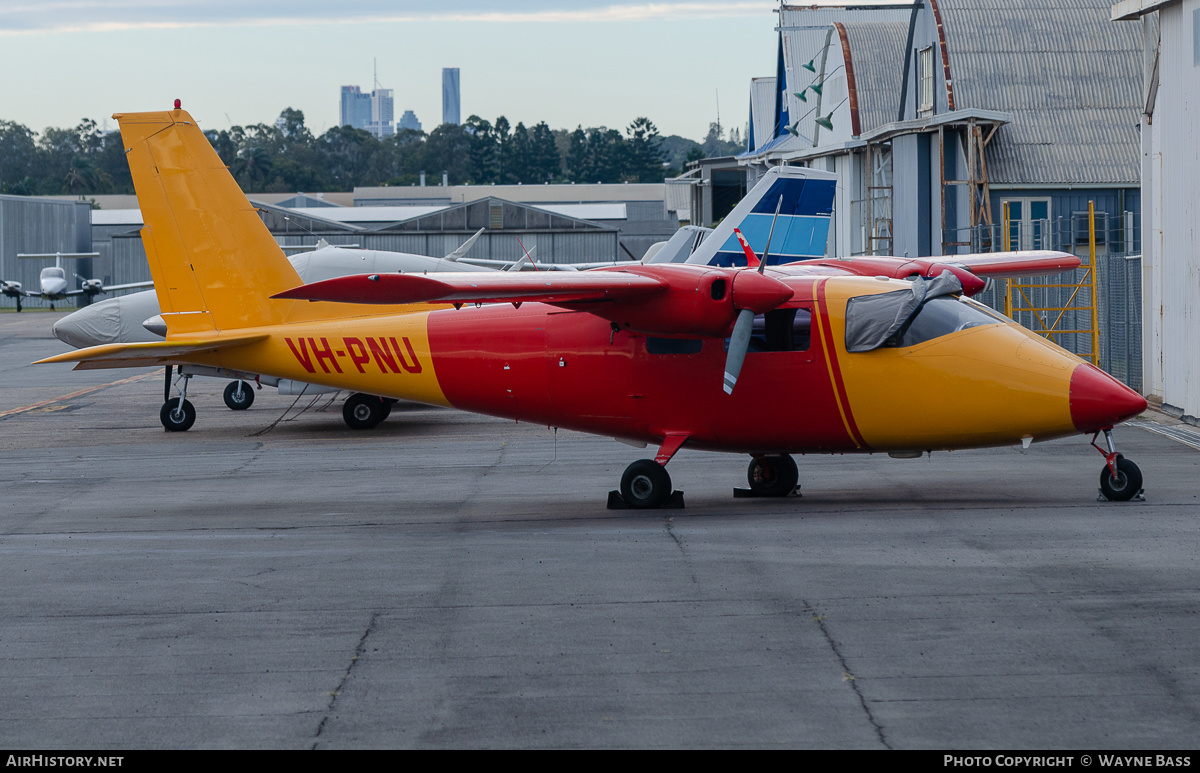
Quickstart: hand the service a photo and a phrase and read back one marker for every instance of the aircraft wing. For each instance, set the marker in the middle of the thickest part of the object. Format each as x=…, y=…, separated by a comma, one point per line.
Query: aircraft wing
x=508, y=287
x=128, y=286
x=998, y=265
x=150, y=354
x=971, y=270
x=509, y=265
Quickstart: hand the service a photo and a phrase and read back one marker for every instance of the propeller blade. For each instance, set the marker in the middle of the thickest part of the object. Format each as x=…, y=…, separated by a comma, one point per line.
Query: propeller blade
x=739, y=344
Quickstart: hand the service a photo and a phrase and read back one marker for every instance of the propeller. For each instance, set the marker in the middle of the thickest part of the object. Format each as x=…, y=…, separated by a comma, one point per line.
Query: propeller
x=753, y=293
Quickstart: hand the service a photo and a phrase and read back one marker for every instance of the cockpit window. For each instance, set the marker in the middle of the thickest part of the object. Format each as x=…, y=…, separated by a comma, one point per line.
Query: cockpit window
x=930, y=309
x=781, y=330
x=56, y=273
x=939, y=317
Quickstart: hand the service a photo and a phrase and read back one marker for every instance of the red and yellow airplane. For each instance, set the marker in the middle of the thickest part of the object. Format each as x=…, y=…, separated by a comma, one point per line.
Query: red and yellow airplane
x=864, y=355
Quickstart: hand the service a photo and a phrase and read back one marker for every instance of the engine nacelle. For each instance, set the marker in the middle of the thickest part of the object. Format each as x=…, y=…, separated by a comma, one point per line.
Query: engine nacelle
x=701, y=302
x=11, y=289
x=92, y=287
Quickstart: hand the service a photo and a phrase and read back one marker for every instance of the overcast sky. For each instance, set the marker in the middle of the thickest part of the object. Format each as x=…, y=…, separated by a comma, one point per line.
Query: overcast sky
x=568, y=62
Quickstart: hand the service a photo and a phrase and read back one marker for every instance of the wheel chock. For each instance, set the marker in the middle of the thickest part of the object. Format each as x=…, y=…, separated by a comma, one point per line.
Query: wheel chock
x=617, y=502
x=1138, y=497
x=745, y=493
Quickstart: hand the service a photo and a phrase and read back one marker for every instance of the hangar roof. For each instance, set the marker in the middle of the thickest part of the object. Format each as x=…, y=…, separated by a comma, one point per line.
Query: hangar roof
x=1071, y=79
x=876, y=53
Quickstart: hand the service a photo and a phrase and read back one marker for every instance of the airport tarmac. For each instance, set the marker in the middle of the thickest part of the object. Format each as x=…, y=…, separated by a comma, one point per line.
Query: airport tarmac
x=449, y=580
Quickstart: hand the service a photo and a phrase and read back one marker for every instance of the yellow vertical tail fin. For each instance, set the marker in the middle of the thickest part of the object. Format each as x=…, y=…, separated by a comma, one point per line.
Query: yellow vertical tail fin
x=215, y=264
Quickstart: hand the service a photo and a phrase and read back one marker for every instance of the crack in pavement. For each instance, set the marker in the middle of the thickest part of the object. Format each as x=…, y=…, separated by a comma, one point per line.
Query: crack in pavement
x=847, y=675
x=333, y=696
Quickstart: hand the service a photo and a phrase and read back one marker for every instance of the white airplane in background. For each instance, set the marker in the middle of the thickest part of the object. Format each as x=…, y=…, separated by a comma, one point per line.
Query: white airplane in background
x=134, y=318
x=53, y=282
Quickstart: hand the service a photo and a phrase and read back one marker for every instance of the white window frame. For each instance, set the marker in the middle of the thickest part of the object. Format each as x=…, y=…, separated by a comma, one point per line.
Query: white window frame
x=925, y=102
x=1025, y=230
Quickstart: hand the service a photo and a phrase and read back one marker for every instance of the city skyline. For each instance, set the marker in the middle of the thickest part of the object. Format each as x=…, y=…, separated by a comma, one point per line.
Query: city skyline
x=567, y=64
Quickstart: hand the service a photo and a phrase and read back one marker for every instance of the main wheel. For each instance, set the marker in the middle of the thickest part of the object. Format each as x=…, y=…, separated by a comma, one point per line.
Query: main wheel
x=773, y=476
x=363, y=411
x=176, y=419
x=1125, y=486
x=645, y=484
x=232, y=399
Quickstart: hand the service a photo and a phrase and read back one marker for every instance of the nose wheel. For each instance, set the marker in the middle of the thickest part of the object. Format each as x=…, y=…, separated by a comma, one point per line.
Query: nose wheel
x=1120, y=479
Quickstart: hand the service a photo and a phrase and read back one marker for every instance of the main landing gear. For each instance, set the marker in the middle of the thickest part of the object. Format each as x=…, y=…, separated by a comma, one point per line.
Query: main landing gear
x=646, y=485
x=771, y=476
x=1120, y=479
x=238, y=395
x=363, y=411
x=177, y=414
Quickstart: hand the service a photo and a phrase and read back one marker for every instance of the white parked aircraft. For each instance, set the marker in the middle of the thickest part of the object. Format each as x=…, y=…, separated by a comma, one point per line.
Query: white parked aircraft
x=53, y=281
x=135, y=317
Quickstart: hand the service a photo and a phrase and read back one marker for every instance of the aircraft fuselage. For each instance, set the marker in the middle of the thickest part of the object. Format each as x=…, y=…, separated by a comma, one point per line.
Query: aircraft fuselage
x=991, y=384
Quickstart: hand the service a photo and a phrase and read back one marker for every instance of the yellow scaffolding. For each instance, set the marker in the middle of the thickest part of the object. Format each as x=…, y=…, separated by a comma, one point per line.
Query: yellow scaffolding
x=1041, y=314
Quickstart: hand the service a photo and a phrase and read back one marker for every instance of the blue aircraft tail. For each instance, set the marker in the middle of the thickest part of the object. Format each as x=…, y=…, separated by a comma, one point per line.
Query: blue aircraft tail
x=801, y=231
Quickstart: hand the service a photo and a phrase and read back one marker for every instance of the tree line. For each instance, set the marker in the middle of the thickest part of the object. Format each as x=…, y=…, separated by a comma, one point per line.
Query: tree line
x=286, y=156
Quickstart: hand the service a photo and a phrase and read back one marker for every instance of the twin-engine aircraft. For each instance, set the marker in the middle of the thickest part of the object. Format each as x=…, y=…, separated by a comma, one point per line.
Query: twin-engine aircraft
x=53, y=284
x=769, y=360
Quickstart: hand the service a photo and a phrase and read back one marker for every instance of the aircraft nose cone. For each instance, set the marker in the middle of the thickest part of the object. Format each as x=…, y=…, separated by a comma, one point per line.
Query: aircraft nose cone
x=1098, y=400
x=69, y=331
x=92, y=325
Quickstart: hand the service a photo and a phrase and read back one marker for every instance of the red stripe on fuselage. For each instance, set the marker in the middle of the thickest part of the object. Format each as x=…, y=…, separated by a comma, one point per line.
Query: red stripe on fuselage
x=835, y=371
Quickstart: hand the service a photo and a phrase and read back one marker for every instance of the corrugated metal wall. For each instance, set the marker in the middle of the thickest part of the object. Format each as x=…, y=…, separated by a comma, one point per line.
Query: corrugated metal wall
x=42, y=225
x=128, y=256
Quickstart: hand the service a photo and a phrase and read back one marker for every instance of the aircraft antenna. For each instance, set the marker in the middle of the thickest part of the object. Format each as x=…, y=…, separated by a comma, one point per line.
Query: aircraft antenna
x=762, y=264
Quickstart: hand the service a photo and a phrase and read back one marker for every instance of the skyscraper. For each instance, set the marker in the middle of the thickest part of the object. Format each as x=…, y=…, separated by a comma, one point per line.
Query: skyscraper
x=409, y=121
x=373, y=112
x=451, y=96
x=356, y=108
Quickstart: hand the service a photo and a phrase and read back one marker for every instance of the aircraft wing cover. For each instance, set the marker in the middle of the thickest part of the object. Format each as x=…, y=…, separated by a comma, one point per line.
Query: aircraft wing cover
x=532, y=286
x=872, y=319
x=1015, y=264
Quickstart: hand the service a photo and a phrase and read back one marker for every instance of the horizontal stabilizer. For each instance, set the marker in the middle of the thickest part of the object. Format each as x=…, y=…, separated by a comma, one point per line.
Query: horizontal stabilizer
x=510, y=287
x=140, y=355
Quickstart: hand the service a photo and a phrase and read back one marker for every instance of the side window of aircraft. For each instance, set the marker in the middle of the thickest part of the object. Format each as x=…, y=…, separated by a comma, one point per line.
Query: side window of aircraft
x=781, y=330
x=939, y=317
x=673, y=345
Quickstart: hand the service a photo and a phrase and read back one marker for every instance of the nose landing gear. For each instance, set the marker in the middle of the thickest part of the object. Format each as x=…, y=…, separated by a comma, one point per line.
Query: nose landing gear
x=1120, y=479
